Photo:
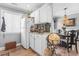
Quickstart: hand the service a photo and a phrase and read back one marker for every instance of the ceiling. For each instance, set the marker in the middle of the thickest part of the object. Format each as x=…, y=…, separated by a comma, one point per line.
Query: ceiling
x=58, y=8
x=21, y=7
x=72, y=8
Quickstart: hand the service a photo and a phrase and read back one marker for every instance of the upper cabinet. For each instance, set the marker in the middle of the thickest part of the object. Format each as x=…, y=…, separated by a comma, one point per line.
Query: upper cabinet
x=37, y=16
x=46, y=14
x=43, y=14
x=49, y=14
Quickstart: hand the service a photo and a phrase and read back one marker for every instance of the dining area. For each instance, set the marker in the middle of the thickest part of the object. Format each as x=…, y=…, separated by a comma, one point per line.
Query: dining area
x=71, y=38
x=64, y=44
x=65, y=38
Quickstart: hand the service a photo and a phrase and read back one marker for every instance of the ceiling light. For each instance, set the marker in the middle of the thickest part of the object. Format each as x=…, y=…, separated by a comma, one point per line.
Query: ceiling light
x=28, y=6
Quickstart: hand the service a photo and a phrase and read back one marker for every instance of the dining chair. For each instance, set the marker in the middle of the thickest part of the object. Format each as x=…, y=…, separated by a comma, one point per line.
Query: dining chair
x=72, y=40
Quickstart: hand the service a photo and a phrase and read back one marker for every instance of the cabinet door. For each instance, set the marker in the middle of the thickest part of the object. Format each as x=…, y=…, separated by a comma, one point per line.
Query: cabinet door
x=43, y=44
x=38, y=44
x=36, y=16
x=43, y=14
x=46, y=14
x=49, y=14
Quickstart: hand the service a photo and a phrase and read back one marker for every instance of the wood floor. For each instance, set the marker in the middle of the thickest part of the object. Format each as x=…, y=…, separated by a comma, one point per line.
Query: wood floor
x=19, y=51
x=63, y=52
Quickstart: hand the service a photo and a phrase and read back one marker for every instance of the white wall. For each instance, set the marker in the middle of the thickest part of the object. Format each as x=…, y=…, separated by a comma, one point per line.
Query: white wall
x=58, y=8
x=12, y=21
x=76, y=27
x=72, y=12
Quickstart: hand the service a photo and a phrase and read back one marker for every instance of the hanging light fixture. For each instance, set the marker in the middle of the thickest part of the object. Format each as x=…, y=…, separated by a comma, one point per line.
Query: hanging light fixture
x=65, y=22
x=65, y=18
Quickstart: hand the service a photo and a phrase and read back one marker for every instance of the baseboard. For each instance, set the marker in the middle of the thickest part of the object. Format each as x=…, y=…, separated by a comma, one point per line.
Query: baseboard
x=18, y=44
x=3, y=48
x=35, y=52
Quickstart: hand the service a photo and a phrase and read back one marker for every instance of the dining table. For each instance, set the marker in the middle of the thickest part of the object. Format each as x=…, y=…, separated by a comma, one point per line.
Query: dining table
x=64, y=36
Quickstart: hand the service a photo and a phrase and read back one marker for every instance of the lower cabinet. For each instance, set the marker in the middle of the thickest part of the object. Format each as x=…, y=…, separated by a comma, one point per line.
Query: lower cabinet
x=38, y=43
x=43, y=44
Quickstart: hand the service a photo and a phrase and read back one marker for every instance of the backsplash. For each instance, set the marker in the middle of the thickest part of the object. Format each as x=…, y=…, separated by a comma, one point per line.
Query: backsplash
x=40, y=28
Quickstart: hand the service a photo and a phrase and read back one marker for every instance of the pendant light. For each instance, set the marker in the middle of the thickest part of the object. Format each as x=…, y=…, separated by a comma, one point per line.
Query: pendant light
x=65, y=21
x=65, y=18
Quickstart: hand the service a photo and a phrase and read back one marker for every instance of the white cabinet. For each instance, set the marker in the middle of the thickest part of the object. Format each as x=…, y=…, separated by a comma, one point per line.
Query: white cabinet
x=38, y=44
x=36, y=15
x=46, y=14
x=35, y=42
x=43, y=43
x=49, y=14
x=43, y=15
